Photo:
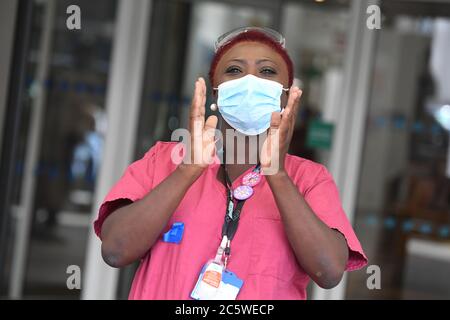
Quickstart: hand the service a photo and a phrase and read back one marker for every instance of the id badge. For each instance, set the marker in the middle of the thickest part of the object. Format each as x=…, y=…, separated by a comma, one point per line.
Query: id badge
x=229, y=286
x=215, y=283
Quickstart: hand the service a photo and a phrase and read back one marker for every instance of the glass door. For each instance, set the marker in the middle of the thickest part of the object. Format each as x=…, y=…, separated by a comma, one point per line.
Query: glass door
x=59, y=147
x=403, y=205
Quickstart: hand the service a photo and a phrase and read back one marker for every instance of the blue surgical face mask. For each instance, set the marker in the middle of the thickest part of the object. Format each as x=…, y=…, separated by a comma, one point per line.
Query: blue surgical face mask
x=247, y=103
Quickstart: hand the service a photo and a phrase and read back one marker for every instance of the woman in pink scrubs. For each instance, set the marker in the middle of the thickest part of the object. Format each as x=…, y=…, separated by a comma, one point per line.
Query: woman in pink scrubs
x=290, y=227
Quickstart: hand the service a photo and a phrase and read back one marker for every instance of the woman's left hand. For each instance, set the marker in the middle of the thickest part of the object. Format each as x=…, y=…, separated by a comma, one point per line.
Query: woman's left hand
x=276, y=145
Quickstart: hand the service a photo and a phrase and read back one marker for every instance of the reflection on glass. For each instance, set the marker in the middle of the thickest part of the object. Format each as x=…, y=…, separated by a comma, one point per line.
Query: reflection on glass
x=71, y=143
x=403, y=205
x=316, y=37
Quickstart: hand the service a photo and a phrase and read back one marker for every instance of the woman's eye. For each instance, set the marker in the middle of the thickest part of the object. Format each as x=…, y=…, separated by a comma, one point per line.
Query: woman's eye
x=233, y=70
x=268, y=71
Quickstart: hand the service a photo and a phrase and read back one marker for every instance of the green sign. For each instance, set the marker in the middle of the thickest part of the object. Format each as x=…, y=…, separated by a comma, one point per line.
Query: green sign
x=319, y=135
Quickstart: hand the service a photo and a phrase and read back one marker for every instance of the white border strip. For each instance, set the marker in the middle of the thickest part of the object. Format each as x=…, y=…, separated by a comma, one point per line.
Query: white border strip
x=346, y=157
x=123, y=105
x=429, y=249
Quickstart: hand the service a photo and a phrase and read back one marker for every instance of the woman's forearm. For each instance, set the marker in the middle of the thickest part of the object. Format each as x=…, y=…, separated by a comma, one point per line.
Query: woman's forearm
x=130, y=231
x=322, y=252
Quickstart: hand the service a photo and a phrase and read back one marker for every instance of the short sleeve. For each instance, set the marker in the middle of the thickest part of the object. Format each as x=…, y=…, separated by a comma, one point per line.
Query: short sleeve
x=323, y=198
x=135, y=183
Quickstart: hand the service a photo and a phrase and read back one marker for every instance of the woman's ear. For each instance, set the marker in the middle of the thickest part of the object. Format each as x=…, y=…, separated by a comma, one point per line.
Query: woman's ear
x=214, y=93
x=213, y=106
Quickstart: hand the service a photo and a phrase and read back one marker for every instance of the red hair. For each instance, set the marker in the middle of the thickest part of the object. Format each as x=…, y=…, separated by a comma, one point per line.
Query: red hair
x=253, y=36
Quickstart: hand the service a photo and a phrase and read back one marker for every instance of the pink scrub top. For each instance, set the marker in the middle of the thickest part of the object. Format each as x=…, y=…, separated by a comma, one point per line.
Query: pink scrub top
x=260, y=252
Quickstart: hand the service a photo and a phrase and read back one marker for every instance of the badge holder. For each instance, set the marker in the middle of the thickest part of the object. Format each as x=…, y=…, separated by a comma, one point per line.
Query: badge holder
x=215, y=282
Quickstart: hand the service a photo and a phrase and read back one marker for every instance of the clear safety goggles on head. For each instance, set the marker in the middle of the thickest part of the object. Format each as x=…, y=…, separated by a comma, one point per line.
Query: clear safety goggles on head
x=227, y=37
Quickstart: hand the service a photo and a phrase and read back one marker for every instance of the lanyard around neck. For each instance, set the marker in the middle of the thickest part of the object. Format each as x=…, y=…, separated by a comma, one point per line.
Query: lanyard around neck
x=233, y=210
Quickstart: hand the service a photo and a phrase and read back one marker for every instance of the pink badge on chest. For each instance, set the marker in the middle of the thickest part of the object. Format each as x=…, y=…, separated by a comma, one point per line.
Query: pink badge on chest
x=243, y=192
x=251, y=179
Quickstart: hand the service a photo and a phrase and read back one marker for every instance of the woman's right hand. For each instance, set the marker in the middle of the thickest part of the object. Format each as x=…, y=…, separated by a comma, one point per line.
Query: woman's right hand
x=129, y=232
x=200, y=153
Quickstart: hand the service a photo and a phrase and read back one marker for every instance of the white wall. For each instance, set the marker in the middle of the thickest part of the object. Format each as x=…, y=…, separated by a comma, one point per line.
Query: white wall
x=315, y=29
x=440, y=65
x=399, y=60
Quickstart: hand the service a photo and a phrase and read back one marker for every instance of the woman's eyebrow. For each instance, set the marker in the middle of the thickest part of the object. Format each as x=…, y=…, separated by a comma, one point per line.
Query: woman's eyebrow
x=238, y=60
x=259, y=61
x=265, y=60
